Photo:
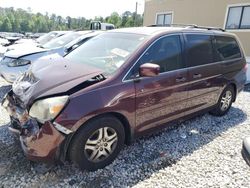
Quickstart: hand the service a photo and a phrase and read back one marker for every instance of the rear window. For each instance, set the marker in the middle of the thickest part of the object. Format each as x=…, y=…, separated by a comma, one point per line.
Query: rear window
x=199, y=49
x=227, y=48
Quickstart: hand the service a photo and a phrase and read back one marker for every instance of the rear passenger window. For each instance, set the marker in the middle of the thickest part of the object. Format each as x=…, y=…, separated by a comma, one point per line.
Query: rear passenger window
x=199, y=49
x=166, y=52
x=226, y=48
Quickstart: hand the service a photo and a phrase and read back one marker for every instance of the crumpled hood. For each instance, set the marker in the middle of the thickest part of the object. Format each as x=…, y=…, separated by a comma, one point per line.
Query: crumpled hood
x=19, y=50
x=50, y=76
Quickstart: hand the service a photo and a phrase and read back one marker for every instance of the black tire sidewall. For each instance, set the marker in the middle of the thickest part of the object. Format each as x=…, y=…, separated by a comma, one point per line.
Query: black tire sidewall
x=217, y=111
x=77, y=154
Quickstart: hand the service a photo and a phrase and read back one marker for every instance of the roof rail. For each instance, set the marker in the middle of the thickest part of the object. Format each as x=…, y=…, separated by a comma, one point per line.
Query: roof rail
x=189, y=26
x=209, y=28
x=173, y=25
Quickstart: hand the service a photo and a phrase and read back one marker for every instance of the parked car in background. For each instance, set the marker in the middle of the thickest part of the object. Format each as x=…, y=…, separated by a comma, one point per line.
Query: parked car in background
x=31, y=35
x=97, y=25
x=26, y=43
x=121, y=85
x=11, y=37
x=4, y=42
x=44, y=38
x=248, y=71
x=16, y=62
x=1, y=49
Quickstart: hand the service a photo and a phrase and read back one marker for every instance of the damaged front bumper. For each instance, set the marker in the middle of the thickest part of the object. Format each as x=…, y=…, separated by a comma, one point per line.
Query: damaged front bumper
x=40, y=142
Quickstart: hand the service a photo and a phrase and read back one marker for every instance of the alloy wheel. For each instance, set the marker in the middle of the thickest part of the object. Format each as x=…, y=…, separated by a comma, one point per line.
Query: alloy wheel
x=101, y=144
x=226, y=100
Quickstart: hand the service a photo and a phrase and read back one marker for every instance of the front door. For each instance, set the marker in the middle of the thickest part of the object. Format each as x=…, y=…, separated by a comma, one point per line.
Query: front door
x=162, y=98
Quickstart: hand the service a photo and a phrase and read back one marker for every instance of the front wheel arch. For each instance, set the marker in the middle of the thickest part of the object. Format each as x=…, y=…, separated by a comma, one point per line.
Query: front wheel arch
x=75, y=152
x=127, y=127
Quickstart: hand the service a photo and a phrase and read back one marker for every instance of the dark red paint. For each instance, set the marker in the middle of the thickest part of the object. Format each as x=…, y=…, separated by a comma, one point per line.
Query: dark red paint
x=140, y=103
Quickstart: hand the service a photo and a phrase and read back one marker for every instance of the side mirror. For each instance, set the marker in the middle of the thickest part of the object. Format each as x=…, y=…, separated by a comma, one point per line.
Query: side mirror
x=149, y=70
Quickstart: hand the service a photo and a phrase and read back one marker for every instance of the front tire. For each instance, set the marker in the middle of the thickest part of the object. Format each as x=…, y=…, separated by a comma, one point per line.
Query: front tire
x=225, y=102
x=97, y=143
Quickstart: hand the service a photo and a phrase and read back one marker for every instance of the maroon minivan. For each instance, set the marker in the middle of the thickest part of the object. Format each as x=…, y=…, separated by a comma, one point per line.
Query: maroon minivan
x=120, y=85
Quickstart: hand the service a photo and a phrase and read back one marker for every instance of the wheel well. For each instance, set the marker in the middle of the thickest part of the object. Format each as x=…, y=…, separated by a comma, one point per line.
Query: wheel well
x=235, y=90
x=125, y=123
x=128, y=134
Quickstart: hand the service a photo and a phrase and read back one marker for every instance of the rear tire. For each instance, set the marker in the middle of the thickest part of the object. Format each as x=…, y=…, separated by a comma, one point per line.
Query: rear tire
x=97, y=143
x=225, y=102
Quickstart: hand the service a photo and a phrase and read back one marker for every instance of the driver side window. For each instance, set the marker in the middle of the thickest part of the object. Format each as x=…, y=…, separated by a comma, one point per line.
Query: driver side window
x=166, y=52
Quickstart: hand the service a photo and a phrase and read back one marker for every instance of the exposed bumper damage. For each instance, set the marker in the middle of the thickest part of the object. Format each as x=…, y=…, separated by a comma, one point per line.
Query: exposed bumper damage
x=39, y=142
x=44, y=145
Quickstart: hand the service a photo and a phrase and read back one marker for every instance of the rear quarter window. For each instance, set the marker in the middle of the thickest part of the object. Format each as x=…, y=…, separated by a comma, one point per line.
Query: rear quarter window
x=226, y=48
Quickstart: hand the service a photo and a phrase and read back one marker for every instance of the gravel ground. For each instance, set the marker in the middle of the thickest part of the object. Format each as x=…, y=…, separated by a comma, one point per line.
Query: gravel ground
x=202, y=152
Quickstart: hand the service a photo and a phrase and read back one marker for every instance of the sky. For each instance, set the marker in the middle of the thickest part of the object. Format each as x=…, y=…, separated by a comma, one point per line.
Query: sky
x=76, y=8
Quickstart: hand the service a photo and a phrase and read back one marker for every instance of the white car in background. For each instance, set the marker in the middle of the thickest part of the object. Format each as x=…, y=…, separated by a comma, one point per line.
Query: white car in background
x=16, y=62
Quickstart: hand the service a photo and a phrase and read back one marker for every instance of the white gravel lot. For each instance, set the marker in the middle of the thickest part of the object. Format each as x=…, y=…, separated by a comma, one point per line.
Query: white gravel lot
x=202, y=152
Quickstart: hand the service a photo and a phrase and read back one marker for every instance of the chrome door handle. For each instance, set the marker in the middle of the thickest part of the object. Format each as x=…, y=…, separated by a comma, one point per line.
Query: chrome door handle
x=182, y=79
x=197, y=76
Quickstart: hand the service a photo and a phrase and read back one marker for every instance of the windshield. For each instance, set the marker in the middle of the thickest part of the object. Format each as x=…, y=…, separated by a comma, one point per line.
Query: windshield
x=61, y=41
x=107, y=51
x=46, y=38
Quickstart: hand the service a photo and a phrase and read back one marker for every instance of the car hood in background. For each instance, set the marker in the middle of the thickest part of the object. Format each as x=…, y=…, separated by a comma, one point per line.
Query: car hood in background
x=24, y=41
x=24, y=51
x=50, y=76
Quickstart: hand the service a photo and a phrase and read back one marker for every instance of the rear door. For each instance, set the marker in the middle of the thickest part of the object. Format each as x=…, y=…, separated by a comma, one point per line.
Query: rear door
x=204, y=73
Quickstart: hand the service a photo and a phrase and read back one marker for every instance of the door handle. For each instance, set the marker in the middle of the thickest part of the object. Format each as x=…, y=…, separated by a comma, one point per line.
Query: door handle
x=197, y=76
x=181, y=79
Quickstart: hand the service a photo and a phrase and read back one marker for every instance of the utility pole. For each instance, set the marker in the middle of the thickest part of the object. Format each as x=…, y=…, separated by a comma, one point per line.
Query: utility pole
x=135, y=19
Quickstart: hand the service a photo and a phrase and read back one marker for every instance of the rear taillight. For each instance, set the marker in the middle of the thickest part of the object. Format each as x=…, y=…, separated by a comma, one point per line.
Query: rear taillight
x=246, y=67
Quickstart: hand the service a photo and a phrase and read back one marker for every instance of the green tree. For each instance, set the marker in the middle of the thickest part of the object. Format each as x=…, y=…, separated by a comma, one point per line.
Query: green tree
x=6, y=26
x=99, y=18
x=16, y=26
x=69, y=22
x=125, y=17
x=19, y=20
x=130, y=22
x=115, y=19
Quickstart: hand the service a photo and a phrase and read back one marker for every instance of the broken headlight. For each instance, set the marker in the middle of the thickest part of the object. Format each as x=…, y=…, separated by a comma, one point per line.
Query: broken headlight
x=47, y=109
x=18, y=62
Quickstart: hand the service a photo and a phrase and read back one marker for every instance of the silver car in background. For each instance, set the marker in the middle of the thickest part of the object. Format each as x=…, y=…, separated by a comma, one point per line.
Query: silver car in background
x=16, y=62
